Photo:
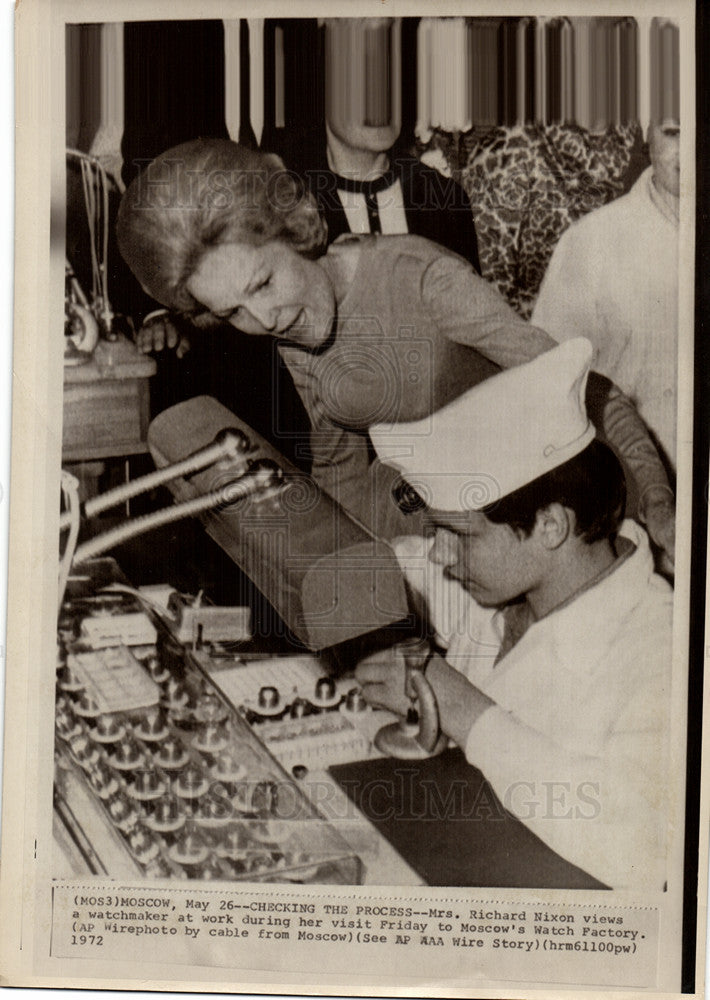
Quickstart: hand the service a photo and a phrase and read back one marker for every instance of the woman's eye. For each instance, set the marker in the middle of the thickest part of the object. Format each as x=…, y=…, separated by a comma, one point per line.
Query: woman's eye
x=264, y=284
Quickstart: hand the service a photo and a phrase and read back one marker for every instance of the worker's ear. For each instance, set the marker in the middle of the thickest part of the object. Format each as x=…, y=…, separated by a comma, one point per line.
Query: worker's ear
x=553, y=525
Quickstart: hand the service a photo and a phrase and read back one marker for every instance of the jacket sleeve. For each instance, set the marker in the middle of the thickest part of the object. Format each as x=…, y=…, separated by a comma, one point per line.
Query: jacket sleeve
x=565, y=305
x=341, y=462
x=472, y=312
x=604, y=811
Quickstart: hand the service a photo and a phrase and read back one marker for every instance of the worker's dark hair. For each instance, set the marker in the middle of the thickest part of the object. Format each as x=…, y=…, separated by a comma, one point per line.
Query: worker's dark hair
x=591, y=484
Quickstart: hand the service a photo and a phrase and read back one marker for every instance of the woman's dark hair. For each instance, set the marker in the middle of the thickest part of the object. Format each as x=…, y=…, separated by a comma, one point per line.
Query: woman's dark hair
x=591, y=484
x=203, y=194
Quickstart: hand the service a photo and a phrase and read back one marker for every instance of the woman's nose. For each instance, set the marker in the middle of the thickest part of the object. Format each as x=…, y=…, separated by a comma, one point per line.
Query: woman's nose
x=251, y=321
x=264, y=314
x=444, y=551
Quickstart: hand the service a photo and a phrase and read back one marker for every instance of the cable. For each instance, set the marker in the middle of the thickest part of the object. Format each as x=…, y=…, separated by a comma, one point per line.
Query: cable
x=260, y=478
x=229, y=443
x=95, y=183
x=70, y=493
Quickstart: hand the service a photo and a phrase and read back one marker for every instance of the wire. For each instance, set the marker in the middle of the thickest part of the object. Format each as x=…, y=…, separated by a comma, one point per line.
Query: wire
x=70, y=493
x=227, y=494
x=223, y=448
x=96, y=186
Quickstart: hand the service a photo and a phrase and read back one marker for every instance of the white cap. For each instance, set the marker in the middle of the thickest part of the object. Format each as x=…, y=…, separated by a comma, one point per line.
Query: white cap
x=498, y=436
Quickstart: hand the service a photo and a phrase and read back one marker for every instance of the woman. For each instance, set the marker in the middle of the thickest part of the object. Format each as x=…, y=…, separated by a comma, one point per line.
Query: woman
x=376, y=329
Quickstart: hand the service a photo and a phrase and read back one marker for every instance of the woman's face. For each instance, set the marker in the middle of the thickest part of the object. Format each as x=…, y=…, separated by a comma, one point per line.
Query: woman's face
x=267, y=289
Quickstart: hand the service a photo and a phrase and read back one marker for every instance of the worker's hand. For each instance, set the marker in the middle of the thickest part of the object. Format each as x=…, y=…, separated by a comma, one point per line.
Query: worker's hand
x=658, y=514
x=158, y=333
x=383, y=679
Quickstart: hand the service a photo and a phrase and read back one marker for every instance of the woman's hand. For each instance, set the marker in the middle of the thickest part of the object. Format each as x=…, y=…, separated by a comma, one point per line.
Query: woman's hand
x=159, y=332
x=658, y=514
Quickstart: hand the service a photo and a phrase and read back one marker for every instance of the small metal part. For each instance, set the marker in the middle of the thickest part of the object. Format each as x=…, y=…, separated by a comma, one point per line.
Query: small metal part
x=123, y=813
x=127, y=755
x=214, y=811
x=145, y=785
x=233, y=843
x=235, y=442
x=354, y=701
x=175, y=695
x=265, y=472
x=103, y=780
x=166, y=817
x=69, y=680
x=228, y=769
x=265, y=797
x=210, y=738
x=190, y=849
x=107, y=730
x=210, y=709
x=325, y=689
x=300, y=707
x=83, y=751
x=172, y=756
x=143, y=844
x=192, y=783
x=269, y=697
x=157, y=671
x=153, y=727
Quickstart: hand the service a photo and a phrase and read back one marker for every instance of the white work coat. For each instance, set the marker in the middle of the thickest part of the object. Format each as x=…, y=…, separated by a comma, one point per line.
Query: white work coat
x=577, y=743
x=613, y=278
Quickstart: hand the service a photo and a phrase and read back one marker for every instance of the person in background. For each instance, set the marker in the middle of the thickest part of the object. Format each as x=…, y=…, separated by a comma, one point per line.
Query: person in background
x=372, y=328
x=561, y=672
x=361, y=179
x=355, y=165
x=613, y=278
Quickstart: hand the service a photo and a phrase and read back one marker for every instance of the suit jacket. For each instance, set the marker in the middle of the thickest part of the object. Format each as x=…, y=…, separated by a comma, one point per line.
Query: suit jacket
x=436, y=207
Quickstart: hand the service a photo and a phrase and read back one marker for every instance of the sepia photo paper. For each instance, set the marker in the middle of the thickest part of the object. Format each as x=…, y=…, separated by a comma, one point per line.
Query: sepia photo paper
x=358, y=526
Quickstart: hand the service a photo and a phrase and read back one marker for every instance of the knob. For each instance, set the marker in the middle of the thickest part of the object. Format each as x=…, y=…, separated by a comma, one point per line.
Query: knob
x=87, y=706
x=192, y=783
x=157, y=671
x=108, y=729
x=213, y=808
x=228, y=769
x=175, y=694
x=153, y=727
x=103, y=781
x=190, y=849
x=172, y=754
x=234, y=441
x=233, y=843
x=354, y=701
x=212, y=870
x=83, y=750
x=210, y=738
x=210, y=709
x=325, y=689
x=299, y=708
x=146, y=785
x=166, y=816
x=69, y=679
x=143, y=844
x=264, y=800
x=269, y=697
x=123, y=814
x=127, y=755
x=67, y=726
x=265, y=472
